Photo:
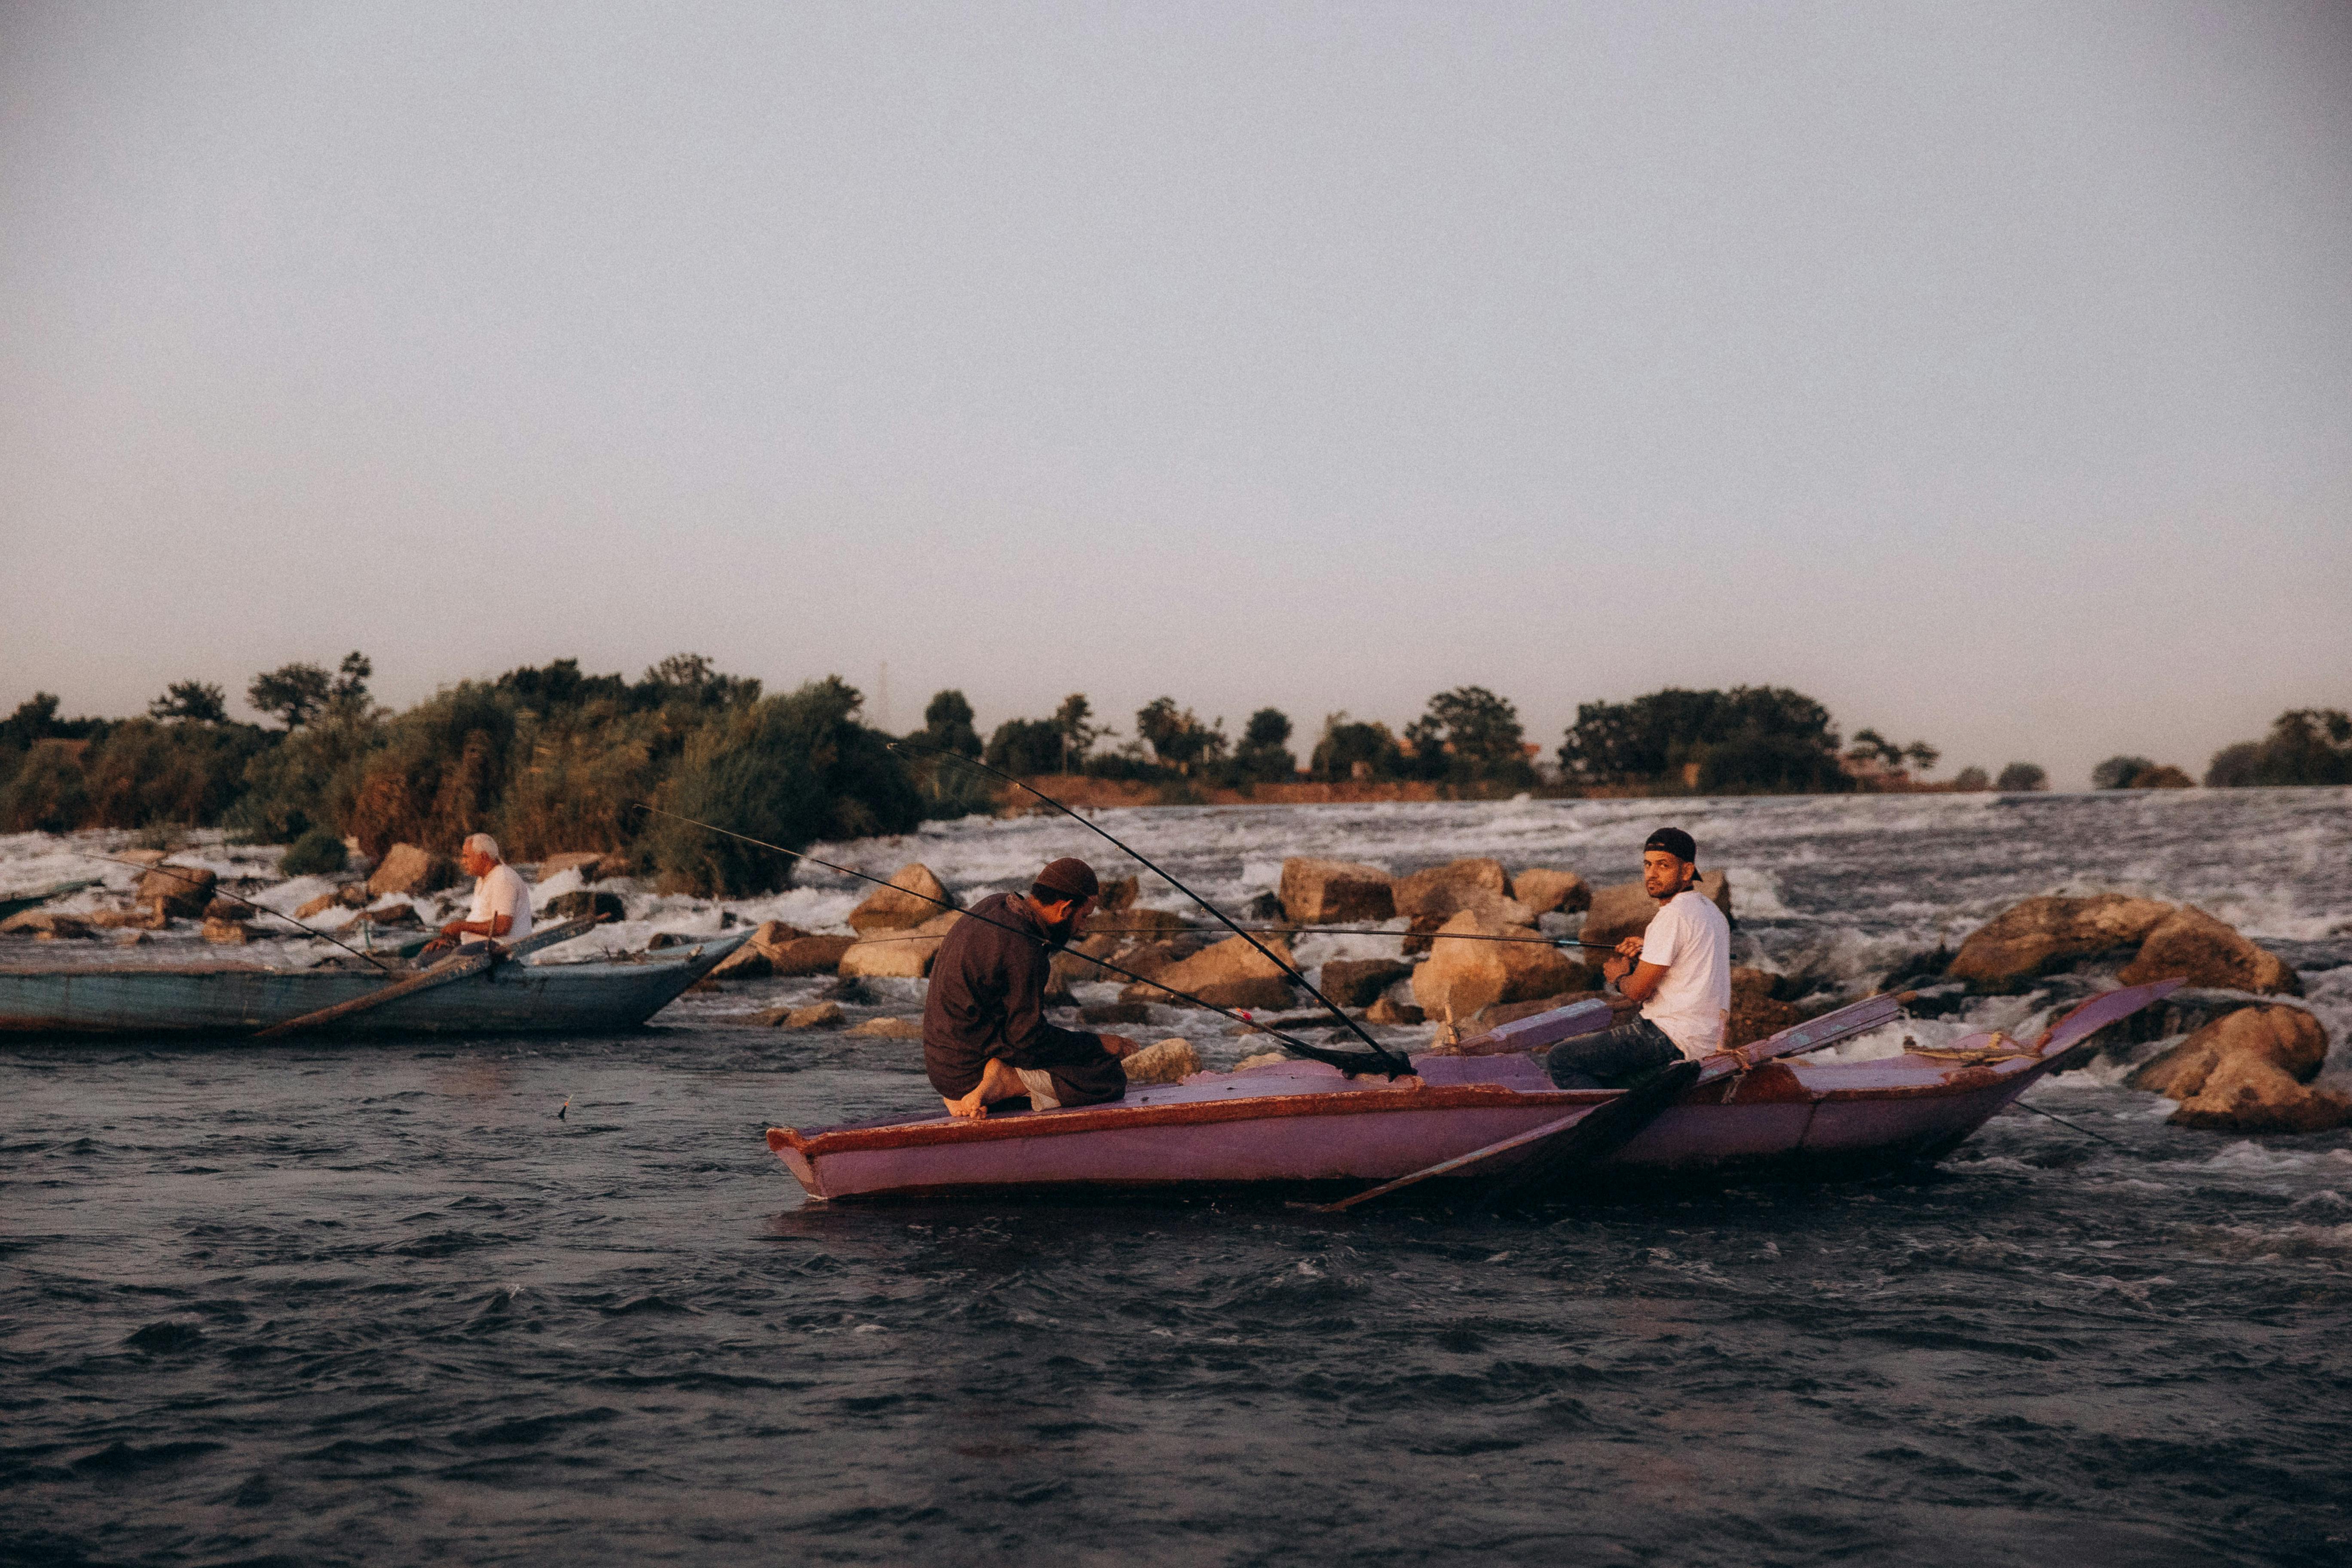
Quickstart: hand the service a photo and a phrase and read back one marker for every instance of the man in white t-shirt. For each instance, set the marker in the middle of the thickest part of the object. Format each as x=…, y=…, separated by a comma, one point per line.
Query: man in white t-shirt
x=501, y=911
x=1679, y=970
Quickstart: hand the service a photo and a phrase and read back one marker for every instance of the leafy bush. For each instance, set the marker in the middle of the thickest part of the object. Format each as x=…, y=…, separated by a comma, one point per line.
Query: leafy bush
x=1971, y=780
x=2118, y=772
x=2306, y=746
x=1024, y=747
x=439, y=773
x=318, y=852
x=46, y=793
x=145, y=772
x=1769, y=738
x=788, y=771
x=1346, y=744
x=309, y=779
x=581, y=775
x=2020, y=778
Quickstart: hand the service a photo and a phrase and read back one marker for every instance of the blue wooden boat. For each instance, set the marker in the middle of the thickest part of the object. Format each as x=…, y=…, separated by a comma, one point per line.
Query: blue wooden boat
x=200, y=999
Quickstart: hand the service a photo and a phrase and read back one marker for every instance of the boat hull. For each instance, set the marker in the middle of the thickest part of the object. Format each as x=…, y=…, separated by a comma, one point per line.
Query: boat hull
x=1303, y=1124
x=212, y=1001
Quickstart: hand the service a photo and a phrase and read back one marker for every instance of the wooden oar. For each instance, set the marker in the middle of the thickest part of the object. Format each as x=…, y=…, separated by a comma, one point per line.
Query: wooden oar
x=1561, y=1157
x=456, y=966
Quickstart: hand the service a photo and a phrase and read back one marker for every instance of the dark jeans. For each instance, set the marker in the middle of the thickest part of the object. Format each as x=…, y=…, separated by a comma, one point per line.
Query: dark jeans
x=1613, y=1058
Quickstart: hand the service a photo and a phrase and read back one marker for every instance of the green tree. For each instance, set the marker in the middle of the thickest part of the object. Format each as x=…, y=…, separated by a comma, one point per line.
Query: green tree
x=1074, y=719
x=1263, y=754
x=1971, y=779
x=292, y=693
x=2120, y=772
x=1349, y=749
x=947, y=725
x=2306, y=746
x=1749, y=739
x=1178, y=738
x=1469, y=733
x=789, y=771
x=1024, y=747
x=190, y=702
x=2021, y=778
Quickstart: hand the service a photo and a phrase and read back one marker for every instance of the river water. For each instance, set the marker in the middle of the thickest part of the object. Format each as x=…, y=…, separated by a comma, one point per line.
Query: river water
x=311, y=1304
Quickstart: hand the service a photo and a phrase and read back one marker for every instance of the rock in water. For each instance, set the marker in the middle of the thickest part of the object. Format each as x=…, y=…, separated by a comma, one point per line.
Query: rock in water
x=1464, y=975
x=226, y=933
x=1385, y=1011
x=589, y=863
x=766, y=950
x=46, y=923
x=1172, y=1060
x=2207, y=952
x=1546, y=892
x=1444, y=891
x=822, y=1015
x=905, y=955
x=1755, y=1014
x=2029, y=940
x=2249, y=1071
x=1334, y=892
x=409, y=870
x=183, y=890
x=1232, y=974
x=318, y=906
x=890, y=1029
x=913, y=897
x=1358, y=981
x=579, y=903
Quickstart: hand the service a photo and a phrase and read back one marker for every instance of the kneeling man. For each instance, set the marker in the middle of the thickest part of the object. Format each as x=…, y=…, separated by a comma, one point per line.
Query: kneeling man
x=1679, y=970
x=985, y=1035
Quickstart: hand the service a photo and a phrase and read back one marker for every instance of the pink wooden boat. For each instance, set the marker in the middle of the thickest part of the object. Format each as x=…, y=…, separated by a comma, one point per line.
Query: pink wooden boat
x=1304, y=1125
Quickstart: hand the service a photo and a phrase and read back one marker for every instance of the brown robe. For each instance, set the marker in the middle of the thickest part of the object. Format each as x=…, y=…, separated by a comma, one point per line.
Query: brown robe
x=987, y=998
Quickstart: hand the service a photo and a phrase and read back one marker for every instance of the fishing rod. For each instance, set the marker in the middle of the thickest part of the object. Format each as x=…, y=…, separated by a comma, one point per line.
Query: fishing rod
x=1374, y=930
x=219, y=891
x=1346, y=1061
x=1395, y=1065
x=2064, y=1123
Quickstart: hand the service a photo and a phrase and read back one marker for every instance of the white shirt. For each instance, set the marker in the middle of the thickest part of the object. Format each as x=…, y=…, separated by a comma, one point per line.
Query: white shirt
x=1692, y=939
x=502, y=891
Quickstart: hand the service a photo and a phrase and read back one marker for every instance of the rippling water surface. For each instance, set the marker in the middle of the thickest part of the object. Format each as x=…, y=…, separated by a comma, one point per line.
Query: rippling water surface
x=376, y=1304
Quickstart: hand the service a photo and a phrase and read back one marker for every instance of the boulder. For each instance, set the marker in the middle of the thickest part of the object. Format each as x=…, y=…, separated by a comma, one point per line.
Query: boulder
x=1268, y=1059
x=2207, y=952
x=1075, y=965
x=1546, y=891
x=817, y=954
x=182, y=889
x=1387, y=1010
x=409, y=870
x=2249, y=1071
x=581, y=903
x=1254, y=992
x=821, y=1015
x=765, y=951
x=318, y=906
x=1231, y=961
x=889, y=1029
x=148, y=918
x=392, y=915
x=1334, y=892
x=1443, y=891
x=1133, y=921
x=1463, y=975
x=1756, y=1014
x=1420, y=934
x=905, y=955
x=1115, y=1013
x=226, y=933
x=913, y=897
x=1172, y=1060
x=353, y=895
x=591, y=864
x=48, y=923
x=225, y=908
x=1624, y=909
x=1117, y=896
x=2029, y=940
x=1358, y=981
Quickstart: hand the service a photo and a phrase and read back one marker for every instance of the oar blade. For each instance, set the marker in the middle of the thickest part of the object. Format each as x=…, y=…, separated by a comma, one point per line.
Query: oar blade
x=1560, y=1163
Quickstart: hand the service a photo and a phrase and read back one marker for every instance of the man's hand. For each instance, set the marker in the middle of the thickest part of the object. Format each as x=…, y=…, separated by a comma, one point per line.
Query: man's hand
x=1120, y=1045
x=1616, y=966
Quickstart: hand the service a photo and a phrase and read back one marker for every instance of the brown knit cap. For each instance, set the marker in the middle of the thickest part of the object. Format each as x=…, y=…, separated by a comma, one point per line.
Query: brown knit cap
x=1070, y=877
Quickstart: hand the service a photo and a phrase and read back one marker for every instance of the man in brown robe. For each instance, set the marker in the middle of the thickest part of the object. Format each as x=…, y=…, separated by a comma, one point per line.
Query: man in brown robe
x=985, y=1034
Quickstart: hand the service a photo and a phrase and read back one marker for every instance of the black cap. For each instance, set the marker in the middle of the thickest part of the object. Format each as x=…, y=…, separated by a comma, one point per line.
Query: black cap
x=1675, y=842
x=1069, y=877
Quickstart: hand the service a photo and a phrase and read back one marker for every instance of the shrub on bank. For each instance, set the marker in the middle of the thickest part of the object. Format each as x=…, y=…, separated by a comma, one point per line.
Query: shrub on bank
x=789, y=771
x=318, y=852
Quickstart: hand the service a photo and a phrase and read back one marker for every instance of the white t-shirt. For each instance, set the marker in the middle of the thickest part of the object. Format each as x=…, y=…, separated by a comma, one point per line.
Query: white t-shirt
x=1692, y=939
x=502, y=891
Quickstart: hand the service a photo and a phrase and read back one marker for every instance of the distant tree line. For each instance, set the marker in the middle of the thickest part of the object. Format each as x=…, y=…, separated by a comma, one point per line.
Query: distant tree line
x=2306, y=746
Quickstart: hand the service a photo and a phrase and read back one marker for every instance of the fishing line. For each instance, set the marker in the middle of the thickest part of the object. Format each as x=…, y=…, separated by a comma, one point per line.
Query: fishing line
x=1398, y=1065
x=2064, y=1123
x=223, y=892
x=1346, y=1061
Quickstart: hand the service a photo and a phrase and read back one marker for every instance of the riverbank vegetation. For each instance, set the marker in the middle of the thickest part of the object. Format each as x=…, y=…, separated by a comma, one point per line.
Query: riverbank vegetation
x=551, y=758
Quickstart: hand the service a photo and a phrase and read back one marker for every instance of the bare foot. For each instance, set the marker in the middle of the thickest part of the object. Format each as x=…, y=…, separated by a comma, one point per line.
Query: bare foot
x=971, y=1107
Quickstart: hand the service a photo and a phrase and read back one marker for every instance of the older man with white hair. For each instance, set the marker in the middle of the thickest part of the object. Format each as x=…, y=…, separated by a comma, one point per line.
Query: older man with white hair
x=501, y=911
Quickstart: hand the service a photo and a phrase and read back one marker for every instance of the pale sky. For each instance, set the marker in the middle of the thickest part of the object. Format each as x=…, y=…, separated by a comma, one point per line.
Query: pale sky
x=1983, y=370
